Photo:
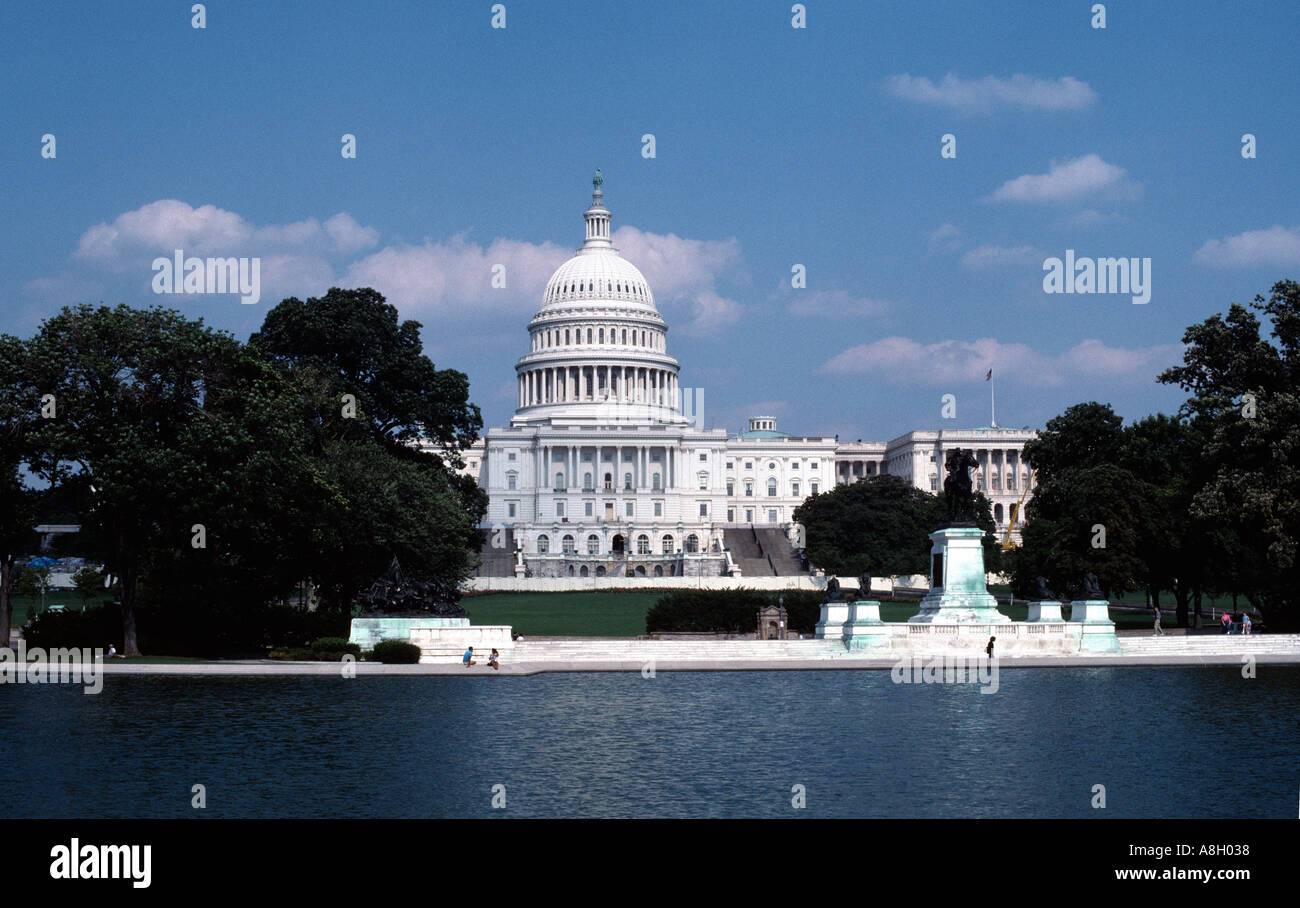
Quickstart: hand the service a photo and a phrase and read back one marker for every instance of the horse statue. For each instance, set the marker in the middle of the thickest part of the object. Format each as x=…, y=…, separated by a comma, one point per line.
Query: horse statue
x=957, y=484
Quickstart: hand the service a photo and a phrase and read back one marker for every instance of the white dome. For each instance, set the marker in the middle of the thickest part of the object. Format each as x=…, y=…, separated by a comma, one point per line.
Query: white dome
x=597, y=275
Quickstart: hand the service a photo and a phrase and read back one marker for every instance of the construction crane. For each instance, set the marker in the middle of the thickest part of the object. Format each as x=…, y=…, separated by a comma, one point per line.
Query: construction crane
x=1015, y=512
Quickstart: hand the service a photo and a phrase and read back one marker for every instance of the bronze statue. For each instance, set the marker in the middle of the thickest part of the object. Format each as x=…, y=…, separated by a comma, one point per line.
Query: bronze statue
x=1042, y=591
x=864, y=585
x=396, y=594
x=957, y=485
x=1091, y=589
x=832, y=590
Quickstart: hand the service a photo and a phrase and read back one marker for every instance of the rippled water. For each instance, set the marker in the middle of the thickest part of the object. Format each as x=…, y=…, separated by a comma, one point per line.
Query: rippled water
x=686, y=744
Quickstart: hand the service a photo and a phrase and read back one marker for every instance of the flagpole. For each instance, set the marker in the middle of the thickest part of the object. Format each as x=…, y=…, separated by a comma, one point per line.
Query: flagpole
x=993, y=403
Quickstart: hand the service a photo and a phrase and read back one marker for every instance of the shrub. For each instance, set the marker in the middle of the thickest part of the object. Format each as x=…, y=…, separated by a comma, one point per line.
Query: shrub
x=395, y=652
x=293, y=654
x=730, y=611
x=331, y=648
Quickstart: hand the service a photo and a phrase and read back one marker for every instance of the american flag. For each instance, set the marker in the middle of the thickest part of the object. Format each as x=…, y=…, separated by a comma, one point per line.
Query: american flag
x=989, y=377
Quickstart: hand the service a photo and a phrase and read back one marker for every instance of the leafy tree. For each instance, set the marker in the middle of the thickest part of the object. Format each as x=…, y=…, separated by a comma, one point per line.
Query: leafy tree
x=883, y=525
x=1083, y=495
x=34, y=581
x=88, y=582
x=164, y=427
x=1245, y=408
x=19, y=412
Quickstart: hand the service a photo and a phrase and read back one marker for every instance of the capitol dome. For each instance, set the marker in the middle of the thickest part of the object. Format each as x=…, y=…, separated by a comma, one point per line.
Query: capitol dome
x=599, y=345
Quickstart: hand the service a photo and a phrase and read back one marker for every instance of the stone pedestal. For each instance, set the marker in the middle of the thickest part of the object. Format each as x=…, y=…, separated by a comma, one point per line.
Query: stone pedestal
x=831, y=625
x=1044, y=610
x=958, y=594
x=1096, y=630
x=366, y=632
x=864, y=629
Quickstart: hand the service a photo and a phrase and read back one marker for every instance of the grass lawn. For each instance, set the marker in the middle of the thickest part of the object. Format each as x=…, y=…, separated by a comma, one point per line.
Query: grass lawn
x=595, y=614
x=68, y=598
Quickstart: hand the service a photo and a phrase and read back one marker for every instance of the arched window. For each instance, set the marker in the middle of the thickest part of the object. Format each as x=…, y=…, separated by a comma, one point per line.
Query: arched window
x=593, y=544
x=627, y=482
x=566, y=336
x=609, y=482
x=602, y=335
x=692, y=543
x=586, y=482
x=588, y=335
x=643, y=544
x=997, y=514
x=600, y=570
x=543, y=544
x=654, y=480
x=582, y=571
x=567, y=544
x=668, y=544
x=625, y=335
x=659, y=570
x=559, y=481
x=794, y=488
x=771, y=487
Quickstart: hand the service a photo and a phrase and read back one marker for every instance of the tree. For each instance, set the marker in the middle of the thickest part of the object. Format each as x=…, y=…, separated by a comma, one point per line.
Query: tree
x=34, y=581
x=882, y=525
x=1085, y=516
x=1245, y=409
x=166, y=429
x=88, y=582
x=19, y=412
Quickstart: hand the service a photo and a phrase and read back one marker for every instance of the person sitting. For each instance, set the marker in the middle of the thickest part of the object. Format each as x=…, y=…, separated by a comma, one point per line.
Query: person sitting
x=493, y=659
x=468, y=658
x=1226, y=620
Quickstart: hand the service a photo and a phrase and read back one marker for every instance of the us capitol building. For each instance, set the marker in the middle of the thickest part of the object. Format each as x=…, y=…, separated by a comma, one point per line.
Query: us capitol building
x=604, y=469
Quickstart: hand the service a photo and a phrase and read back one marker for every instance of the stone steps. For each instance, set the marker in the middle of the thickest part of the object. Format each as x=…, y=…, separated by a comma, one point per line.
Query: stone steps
x=675, y=650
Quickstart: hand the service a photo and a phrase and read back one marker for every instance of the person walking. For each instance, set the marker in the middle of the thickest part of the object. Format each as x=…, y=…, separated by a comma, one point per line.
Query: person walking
x=1226, y=620
x=989, y=649
x=1159, y=632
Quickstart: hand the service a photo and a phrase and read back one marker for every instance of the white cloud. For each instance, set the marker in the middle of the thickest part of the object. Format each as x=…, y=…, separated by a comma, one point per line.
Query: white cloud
x=1067, y=181
x=159, y=227
x=834, y=302
x=903, y=361
x=1277, y=245
x=710, y=313
x=1001, y=257
x=946, y=234
x=979, y=96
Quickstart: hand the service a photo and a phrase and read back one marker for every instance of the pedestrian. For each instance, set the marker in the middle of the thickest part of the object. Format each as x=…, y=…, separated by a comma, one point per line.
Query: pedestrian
x=1226, y=620
x=989, y=649
x=1159, y=632
x=1245, y=624
x=492, y=659
x=468, y=658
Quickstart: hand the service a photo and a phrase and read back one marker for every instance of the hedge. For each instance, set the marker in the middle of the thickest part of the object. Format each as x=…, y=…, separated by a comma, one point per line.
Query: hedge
x=730, y=611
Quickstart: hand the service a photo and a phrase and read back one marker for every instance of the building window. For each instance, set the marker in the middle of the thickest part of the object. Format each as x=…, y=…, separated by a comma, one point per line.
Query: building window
x=692, y=543
x=668, y=545
x=704, y=458
x=609, y=482
x=654, y=482
x=643, y=544
x=511, y=479
x=730, y=465
x=731, y=487
x=559, y=482
x=794, y=488
x=749, y=515
x=510, y=455
x=1011, y=482
x=772, y=465
x=749, y=488
x=771, y=488
x=812, y=488
x=629, y=509
x=510, y=509
x=731, y=515
x=543, y=544
x=771, y=516
x=567, y=544
x=659, y=509
x=627, y=482
x=588, y=508
x=704, y=509
x=934, y=483
x=559, y=509
x=586, y=482
x=593, y=544
x=704, y=480
x=813, y=465
x=749, y=465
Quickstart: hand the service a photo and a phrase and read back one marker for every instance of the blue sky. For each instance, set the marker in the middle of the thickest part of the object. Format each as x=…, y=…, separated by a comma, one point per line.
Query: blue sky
x=775, y=146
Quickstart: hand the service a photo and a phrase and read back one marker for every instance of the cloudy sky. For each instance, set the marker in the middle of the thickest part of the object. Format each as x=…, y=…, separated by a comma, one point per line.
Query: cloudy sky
x=774, y=147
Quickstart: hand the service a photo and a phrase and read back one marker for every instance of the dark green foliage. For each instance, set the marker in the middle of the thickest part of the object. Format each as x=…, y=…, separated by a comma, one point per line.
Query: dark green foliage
x=729, y=611
x=395, y=652
x=333, y=648
x=883, y=525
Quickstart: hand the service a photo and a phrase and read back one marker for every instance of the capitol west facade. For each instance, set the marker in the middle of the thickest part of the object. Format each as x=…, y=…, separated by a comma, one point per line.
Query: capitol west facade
x=605, y=471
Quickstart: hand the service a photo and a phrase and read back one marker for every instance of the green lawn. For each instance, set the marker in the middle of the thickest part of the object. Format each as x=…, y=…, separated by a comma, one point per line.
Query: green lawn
x=67, y=598
x=596, y=614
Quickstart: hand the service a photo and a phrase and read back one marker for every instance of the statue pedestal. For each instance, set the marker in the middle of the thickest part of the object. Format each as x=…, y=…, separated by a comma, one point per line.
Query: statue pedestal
x=367, y=631
x=1096, y=630
x=831, y=625
x=1044, y=610
x=958, y=594
x=864, y=629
